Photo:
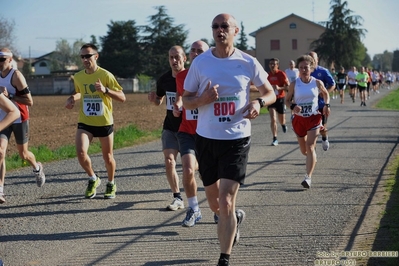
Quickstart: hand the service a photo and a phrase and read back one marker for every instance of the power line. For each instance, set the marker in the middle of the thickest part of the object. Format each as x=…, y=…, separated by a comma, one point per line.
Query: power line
x=58, y=38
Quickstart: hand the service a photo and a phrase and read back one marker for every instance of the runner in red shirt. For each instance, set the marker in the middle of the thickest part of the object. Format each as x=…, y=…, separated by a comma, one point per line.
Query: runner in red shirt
x=278, y=79
x=186, y=138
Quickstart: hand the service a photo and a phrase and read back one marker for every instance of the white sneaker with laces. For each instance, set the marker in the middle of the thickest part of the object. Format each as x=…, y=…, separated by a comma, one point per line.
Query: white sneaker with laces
x=306, y=182
x=325, y=144
x=192, y=217
x=40, y=177
x=176, y=204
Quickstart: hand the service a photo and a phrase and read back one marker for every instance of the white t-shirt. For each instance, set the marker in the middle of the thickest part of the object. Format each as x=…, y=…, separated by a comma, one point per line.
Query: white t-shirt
x=292, y=74
x=223, y=119
x=375, y=77
x=306, y=96
x=352, y=77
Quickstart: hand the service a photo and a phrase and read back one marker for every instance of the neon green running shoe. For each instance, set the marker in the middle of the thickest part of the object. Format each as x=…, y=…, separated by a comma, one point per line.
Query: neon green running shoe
x=110, y=191
x=91, y=190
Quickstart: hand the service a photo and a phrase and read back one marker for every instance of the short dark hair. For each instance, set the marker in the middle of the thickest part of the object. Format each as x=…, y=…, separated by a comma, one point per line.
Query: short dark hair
x=274, y=59
x=89, y=45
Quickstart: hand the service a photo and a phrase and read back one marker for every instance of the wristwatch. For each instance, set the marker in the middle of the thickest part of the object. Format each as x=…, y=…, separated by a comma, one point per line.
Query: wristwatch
x=328, y=105
x=261, y=102
x=10, y=96
x=106, y=90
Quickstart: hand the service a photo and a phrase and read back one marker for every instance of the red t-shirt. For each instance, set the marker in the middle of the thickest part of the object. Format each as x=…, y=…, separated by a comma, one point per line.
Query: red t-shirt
x=369, y=72
x=187, y=125
x=280, y=79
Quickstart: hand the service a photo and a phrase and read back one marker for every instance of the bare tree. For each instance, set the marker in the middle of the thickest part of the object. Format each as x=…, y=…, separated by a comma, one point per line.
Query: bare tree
x=7, y=37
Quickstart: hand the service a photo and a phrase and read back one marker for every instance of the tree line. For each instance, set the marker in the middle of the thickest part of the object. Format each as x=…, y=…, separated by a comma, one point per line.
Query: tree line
x=341, y=43
x=129, y=50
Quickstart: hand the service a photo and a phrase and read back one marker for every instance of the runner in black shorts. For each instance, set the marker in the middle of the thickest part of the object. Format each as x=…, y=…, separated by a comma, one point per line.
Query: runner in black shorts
x=222, y=96
x=342, y=80
x=166, y=89
x=95, y=117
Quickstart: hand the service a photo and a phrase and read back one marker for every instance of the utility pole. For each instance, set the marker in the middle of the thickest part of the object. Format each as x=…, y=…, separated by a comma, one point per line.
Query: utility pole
x=313, y=9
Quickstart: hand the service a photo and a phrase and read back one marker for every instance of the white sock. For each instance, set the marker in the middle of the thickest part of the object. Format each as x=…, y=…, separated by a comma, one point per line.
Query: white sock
x=37, y=167
x=1, y=190
x=93, y=178
x=193, y=203
x=111, y=182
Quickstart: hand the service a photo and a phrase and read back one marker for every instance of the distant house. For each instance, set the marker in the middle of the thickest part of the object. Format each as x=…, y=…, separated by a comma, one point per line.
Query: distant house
x=285, y=39
x=42, y=65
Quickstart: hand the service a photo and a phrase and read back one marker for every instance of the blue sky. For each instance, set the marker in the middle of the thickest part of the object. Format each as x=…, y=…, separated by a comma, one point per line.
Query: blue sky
x=40, y=23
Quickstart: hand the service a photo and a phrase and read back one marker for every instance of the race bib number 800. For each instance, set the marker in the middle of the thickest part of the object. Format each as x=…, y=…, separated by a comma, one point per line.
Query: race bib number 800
x=225, y=108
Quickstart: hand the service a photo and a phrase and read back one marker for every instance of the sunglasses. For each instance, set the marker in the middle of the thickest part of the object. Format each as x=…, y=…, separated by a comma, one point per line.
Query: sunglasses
x=223, y=26
x=2, y=59
x=86, y=56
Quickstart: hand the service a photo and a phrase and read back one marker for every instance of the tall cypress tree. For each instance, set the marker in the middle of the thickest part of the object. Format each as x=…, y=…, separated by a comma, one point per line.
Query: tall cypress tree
x=242, y=40
x=121, y=51
x=341, y=41
x=159, y=36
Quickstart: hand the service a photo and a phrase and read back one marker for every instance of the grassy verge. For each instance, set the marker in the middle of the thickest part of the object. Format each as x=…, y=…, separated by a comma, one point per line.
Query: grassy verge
x=124, y=137
x=390, y=102
x=390, y=216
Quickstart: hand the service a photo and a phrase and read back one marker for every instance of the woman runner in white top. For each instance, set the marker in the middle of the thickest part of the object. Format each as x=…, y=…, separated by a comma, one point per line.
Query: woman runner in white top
x=302, y=98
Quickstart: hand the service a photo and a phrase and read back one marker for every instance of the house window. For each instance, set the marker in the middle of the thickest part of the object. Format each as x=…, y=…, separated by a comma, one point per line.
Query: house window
x=275, y=45
x=294, y=44
x=293, y=26
x=43, y=64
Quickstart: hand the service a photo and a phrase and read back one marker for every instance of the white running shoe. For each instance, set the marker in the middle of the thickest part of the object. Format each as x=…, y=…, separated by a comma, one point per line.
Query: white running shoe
x=306, y=182
x=325, y=144
x=40, y=176
x=176, y=204
x=192, y=217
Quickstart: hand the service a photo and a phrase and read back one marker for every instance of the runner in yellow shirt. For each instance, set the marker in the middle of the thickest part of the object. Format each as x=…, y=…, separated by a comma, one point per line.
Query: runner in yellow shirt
x=96, y=88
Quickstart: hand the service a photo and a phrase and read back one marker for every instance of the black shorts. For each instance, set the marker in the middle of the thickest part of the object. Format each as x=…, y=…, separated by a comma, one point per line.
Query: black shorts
x=361, y=88
x=97, y=132
x=352, y=86
x=374, y=83
x=279, y=105
x=222, y=159
x=21, y=132
x=186, y=143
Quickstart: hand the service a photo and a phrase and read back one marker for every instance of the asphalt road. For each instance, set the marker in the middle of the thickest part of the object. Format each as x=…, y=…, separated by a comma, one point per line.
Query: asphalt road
x=285, y=224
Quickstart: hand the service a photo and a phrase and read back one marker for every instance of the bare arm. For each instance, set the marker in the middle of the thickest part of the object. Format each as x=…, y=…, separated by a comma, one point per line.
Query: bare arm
x=12, y=112
x=266, y=94
x=177, y=105
x=191, y=100
x=290, y=94
x=152, y=97
x=19, y=82
x=330, y=88
x=70, y=103
x=115, y=95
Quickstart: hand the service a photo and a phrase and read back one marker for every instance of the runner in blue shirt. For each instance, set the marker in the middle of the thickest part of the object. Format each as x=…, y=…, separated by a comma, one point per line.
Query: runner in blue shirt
x=324, y=75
